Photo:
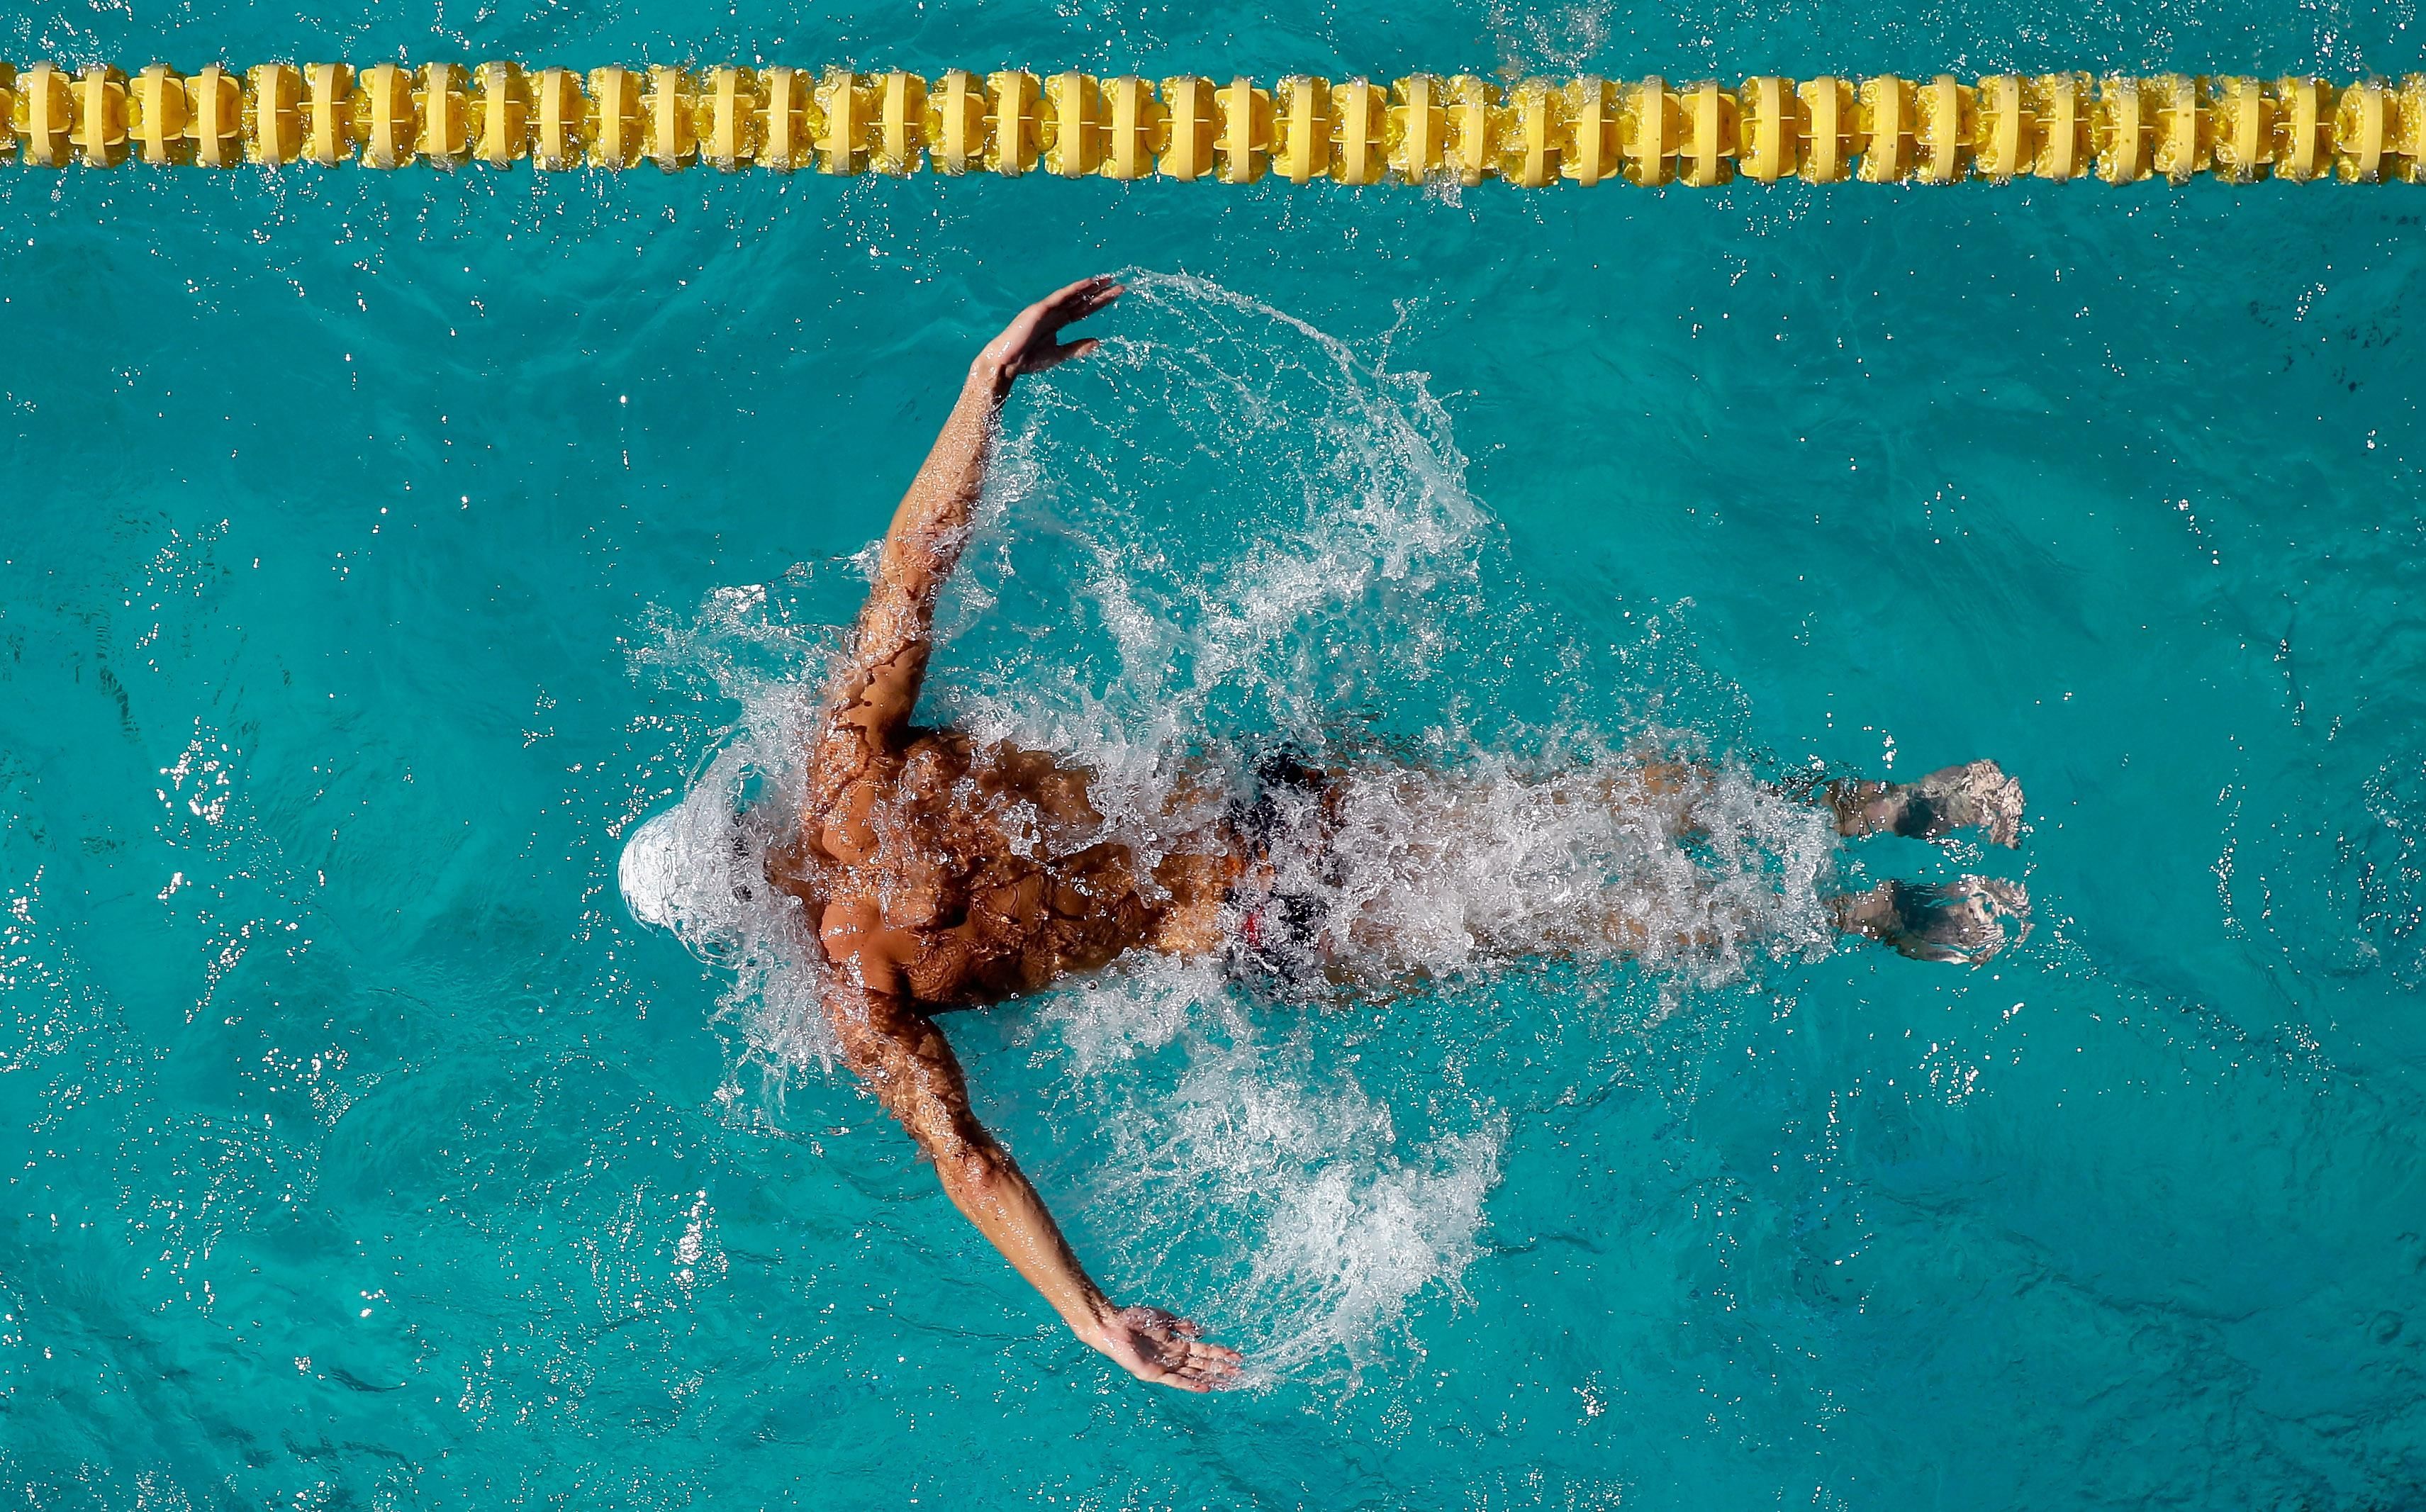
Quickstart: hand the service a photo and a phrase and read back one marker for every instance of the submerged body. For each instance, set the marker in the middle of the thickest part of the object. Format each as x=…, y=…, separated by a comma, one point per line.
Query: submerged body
x=940, y=872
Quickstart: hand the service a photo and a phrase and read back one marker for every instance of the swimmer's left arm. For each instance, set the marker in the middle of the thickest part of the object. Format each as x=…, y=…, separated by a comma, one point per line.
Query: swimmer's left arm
x=874, y=691
x=905, y=1060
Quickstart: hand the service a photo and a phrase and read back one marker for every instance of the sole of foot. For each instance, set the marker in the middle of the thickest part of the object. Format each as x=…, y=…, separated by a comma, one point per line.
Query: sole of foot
x=1959, y=923
x=1975, y=795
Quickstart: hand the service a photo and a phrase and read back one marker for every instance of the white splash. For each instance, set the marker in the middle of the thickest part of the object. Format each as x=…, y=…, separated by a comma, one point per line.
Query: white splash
x=1252, y=1169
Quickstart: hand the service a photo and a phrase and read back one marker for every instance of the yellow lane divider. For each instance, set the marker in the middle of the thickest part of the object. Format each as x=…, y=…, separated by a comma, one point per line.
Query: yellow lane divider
x=1417, y=129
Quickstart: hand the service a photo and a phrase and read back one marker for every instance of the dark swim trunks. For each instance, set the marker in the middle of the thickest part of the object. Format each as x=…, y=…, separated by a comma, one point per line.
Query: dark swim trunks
x=1277, y=946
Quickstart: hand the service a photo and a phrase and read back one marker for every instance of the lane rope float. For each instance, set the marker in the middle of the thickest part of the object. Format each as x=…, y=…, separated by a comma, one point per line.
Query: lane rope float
x=1422, y=128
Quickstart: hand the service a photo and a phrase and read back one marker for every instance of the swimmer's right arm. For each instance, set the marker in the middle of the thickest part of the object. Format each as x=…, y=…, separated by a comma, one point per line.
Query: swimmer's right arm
x=905, y=1060
x=875, y=689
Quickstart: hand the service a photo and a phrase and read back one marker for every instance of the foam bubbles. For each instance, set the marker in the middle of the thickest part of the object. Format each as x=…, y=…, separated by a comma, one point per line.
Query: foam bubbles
x=1688, y=866
x=697, y=869
x=1239, y=1165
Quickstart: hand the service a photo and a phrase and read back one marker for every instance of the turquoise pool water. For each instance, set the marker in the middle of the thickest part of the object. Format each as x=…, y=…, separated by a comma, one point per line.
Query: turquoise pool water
x=380, y=552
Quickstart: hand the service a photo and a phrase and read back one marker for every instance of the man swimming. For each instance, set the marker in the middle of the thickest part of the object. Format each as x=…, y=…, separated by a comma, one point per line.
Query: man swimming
x=939, y=873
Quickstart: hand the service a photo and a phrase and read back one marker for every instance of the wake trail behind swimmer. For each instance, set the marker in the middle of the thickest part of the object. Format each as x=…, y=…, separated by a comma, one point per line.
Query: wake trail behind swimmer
x=939, y=872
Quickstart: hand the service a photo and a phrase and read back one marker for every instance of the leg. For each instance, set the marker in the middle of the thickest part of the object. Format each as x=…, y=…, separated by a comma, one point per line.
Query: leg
x=1960, y=923
x=1956, y=798
x=1626, y=933
x=1672, y=787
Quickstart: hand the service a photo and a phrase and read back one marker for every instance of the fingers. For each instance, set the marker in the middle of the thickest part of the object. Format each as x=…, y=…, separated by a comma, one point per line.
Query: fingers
x=1169, y=1350
x=1027, y=343
x=1070, y=291
x=1190, y=1359
x=1077, y=303
x=1216, y=1356
x=1208, y=1368
x=1087, y=293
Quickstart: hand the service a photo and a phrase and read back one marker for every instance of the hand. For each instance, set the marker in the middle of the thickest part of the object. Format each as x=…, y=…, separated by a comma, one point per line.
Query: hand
x=1029, y=343
x=1155, y=1345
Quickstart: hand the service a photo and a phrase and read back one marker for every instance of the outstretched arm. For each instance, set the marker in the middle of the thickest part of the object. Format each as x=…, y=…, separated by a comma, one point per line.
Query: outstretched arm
x=868, y=706
x=906, y=1061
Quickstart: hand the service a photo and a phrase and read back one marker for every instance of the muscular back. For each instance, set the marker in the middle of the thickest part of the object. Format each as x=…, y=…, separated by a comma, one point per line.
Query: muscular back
x=954, y=873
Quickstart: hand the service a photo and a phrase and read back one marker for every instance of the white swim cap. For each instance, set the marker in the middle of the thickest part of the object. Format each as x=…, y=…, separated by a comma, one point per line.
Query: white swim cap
x=678, y=871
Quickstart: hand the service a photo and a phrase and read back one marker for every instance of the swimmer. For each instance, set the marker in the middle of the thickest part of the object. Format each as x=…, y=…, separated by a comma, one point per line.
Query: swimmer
x=938, y=873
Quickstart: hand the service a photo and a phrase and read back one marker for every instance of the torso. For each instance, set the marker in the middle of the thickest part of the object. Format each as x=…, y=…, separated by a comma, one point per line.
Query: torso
x=954, y=874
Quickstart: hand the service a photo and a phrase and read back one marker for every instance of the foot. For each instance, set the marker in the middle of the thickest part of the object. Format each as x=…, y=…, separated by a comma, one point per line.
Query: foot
x=1959, y=923
x=1959, y=797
